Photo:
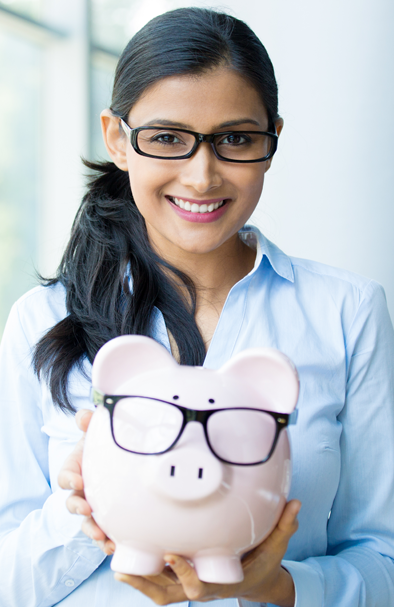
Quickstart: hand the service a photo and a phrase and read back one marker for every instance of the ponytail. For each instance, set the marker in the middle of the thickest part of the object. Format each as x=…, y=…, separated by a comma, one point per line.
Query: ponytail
x=108, y=249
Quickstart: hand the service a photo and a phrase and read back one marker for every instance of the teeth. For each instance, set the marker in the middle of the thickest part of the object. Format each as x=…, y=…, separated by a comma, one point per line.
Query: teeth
x=196, y=208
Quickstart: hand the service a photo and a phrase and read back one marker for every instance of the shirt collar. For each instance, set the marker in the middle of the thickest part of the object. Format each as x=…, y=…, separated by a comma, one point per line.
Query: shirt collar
x=252, y=236
x=278, y=260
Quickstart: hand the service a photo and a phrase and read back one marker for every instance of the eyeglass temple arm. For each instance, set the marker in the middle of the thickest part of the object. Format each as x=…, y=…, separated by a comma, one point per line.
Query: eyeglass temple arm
x=96, y=396
x=292, y=419
x=125, y=127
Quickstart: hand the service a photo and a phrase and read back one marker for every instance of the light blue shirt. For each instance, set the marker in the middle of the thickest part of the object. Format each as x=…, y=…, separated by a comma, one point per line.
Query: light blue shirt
x=335, y=326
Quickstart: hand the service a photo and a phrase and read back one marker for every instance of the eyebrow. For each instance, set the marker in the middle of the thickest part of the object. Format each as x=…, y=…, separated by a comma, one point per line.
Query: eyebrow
x=181, y=125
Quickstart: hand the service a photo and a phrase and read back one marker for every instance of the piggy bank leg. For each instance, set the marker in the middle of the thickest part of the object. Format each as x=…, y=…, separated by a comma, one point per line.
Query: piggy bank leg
x=219, y=569
x=136, y=562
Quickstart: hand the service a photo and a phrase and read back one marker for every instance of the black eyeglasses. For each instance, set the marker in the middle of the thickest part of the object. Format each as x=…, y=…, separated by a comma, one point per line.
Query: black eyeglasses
x=240, y=436
x=175, y=144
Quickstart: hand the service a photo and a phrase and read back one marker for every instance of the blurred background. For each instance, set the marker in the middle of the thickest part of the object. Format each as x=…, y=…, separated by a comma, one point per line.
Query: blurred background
x=329, y=194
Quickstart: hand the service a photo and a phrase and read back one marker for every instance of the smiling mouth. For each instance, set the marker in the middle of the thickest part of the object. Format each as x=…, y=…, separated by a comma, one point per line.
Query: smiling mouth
x=193, y=207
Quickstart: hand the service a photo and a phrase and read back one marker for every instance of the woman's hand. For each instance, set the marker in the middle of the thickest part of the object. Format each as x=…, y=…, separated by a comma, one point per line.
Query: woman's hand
x=70, y=477
x=265, y=579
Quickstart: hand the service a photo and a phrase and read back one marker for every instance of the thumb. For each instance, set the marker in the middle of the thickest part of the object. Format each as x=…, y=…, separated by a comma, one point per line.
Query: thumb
x=82, y=419
x=285, y=528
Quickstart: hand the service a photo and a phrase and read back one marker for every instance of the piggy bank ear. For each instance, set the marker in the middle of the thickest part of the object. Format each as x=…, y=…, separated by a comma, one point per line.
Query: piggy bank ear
x=126, y=356
x=271, y=375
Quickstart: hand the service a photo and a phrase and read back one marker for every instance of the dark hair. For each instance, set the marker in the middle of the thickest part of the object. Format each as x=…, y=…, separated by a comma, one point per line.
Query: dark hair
x=109, y=242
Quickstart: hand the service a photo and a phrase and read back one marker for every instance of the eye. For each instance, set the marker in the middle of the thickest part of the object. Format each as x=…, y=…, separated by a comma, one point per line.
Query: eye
x=235, y=139
x=165, y=138
x=211, y=400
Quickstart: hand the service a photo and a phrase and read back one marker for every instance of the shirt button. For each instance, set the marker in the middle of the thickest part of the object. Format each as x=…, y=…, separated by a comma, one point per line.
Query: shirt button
x=69, y=583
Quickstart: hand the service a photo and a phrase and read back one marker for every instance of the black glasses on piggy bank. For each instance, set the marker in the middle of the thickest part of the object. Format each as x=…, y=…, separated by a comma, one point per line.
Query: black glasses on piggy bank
x=148, y=426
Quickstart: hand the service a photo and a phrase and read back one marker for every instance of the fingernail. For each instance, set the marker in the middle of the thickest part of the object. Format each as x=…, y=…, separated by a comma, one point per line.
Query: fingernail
x=77, y=511
x=73, y=486
x=171, y=560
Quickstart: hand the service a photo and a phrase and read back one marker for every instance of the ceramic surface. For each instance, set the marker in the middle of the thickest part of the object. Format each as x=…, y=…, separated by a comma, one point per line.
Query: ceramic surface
x=186, y=501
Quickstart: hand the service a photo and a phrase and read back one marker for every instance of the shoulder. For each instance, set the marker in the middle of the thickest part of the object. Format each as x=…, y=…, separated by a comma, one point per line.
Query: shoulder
x=37, y=311
x=346, y=300
x=341, y=286
x=324, y=294
x=305, y=269
x=305, y=273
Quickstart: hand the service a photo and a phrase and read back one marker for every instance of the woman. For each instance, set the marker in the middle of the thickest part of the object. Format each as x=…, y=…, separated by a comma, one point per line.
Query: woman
x=159, y=248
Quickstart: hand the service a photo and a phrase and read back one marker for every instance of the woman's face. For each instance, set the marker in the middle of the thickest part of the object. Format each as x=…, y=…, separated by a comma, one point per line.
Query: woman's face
x=216, y=101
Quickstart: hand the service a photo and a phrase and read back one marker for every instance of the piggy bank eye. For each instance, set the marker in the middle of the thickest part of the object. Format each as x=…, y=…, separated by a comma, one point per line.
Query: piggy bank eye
x=211, y=400
x=175, y=397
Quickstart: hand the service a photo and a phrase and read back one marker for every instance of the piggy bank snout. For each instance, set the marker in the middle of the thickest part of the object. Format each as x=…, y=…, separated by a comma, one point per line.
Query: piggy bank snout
x=189, y=471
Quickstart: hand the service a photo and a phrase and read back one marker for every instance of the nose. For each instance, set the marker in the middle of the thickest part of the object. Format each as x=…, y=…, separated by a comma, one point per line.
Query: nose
x=202, y=171
x=190, y=471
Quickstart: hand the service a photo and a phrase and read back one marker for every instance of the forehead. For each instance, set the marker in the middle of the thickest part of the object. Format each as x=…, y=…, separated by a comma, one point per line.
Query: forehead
x=200, y=102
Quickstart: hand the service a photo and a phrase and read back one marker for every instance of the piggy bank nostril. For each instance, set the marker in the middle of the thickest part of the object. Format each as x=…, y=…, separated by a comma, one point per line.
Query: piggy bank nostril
x=200, y=471
x=172, y=473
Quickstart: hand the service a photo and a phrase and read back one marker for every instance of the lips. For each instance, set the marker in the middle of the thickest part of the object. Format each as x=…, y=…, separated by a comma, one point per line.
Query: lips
x=201, y=211
x=202, y=207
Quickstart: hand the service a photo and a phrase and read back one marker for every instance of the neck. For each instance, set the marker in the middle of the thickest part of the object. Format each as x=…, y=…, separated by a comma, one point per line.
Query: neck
x=214, y=272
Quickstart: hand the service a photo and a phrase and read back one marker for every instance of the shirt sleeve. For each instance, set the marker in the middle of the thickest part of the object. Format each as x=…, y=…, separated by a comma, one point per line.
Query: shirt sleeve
x=358, y=570
x=43, y=553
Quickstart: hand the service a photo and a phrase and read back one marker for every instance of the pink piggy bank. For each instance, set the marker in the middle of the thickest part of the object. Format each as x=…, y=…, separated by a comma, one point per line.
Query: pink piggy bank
x=187, y=460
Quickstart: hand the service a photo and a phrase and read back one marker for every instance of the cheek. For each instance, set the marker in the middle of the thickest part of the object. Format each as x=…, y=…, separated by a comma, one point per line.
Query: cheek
x=147, y=178
x=250, y=181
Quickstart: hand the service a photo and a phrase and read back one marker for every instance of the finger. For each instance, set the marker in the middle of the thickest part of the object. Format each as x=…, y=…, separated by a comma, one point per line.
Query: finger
x=166, y=578
x=285, y=528
x=92, y=530
x=106, y=546
x=288, y=521
x=68, y=479
x=82, y=418
x=187, y=575
x=157, y=593
x=70, y=475
x=76, y=504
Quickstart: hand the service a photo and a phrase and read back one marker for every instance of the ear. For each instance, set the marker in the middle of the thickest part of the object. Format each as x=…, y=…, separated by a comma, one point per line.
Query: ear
x=271, y=374
x=114, y=138
x=125, y=357
x=278, y=127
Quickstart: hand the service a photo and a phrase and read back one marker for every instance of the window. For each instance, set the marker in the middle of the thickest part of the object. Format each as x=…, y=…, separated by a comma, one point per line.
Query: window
x=57, y=61
x=20, y=155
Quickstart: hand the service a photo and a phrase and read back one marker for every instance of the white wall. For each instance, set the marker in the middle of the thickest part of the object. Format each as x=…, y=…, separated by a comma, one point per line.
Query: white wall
x=329, y=193
x=329, y=196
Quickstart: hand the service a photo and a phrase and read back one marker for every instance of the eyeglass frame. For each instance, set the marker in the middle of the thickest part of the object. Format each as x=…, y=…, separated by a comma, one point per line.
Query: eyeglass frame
x=109, y=401
x=132, y=134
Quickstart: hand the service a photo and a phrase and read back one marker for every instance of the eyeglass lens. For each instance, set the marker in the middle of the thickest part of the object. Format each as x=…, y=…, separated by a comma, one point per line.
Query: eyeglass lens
x=144, y=425
x=235, y=146
x=148, y=426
